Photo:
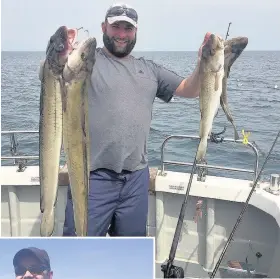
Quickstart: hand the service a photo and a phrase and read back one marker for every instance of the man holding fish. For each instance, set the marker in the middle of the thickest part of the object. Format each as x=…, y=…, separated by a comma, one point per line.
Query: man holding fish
x=121, y=93
x=121, y=96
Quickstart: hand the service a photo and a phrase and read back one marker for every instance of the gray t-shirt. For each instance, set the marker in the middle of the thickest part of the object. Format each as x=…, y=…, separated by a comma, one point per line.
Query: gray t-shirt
x=121, y=98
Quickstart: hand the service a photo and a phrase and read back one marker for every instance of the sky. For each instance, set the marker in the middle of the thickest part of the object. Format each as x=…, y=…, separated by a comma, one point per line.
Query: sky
x=86, y=258
x=164, y=25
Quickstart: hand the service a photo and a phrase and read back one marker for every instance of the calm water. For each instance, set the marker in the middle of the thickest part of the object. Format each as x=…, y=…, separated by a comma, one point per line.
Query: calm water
x=254, y=100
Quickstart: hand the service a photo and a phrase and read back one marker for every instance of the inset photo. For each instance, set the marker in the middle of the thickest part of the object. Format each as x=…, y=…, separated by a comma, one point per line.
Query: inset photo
x=76, y=258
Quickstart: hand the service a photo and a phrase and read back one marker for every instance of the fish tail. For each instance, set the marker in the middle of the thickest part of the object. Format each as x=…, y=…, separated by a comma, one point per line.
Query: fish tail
x=201, y=151
x=47, y=223
x=42, y=204
x=236, y=135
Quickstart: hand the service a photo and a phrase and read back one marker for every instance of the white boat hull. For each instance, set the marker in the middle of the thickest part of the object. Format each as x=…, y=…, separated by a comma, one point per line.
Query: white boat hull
x=201, y=243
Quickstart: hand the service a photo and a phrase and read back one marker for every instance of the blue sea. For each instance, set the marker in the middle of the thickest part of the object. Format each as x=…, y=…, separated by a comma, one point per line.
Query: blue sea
x=253, y=96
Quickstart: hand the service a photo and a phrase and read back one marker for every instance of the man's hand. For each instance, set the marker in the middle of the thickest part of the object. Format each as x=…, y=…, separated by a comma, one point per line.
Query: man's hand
x=189, y=87
x=206, y=37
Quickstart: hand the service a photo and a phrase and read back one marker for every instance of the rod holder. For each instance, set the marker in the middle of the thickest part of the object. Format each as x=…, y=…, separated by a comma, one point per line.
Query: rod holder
x=274, y=184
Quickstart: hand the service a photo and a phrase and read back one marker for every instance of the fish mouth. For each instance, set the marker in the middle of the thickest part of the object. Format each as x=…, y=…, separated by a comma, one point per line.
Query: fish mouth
x=70, y=42
x=59, y=46
x=211, y=46
x=65, y=40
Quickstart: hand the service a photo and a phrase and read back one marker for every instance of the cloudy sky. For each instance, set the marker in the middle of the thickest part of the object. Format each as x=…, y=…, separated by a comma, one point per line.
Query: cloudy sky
x=163, y=24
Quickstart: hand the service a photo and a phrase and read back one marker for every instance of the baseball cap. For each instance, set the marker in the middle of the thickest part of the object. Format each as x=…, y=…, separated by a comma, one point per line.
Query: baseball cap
x=121, y=12
x=41, y=255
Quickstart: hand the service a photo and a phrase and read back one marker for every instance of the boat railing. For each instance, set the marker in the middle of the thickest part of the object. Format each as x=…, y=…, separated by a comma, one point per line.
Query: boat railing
x=21, y=160
x=202, y=168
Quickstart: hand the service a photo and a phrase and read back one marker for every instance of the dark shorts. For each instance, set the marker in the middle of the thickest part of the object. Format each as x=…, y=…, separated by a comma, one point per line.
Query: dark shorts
x=116, y=200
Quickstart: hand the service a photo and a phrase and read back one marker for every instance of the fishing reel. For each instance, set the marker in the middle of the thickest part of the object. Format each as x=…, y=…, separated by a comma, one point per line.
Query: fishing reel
x=174, y=271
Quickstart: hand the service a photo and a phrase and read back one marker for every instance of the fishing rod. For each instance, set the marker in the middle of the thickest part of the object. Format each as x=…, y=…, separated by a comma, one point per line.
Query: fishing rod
x=228, y=30
x=243, y=211
x=169, y=270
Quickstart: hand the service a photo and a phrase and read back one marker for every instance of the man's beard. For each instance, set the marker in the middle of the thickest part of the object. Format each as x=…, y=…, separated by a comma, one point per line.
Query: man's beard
x=110, y=45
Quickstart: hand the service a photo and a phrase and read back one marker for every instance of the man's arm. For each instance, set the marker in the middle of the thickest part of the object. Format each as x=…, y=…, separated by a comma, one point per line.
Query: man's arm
x=168, y=82
x=172, y=84
x=189, y=87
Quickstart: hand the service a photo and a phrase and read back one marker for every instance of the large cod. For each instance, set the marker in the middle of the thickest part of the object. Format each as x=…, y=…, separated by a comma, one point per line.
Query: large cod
x=212, y=92
x=211, y=73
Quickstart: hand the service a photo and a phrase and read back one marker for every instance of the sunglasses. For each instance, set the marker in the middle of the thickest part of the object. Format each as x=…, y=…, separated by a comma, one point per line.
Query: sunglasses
x=35, y=270
x=118, y=11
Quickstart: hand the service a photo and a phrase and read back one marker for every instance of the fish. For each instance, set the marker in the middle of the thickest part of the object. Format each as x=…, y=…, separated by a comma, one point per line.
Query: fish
x=50, y=123
x=76, y=139
x=233, y=48
x=211, y=73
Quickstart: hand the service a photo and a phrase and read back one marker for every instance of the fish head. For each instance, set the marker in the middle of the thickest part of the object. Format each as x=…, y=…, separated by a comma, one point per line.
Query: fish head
x=59, y=47
x=81, y=60
x=212, y=55
x=233, y=48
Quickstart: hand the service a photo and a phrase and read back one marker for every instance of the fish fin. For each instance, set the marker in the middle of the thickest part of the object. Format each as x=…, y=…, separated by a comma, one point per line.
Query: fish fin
x=224, y=105
x=42, y=80
x=236, y=135
x=201, y=150
x=200, y=125
x=41, y=69
x=62, y=140
x=228, y=71
x=42, y=204
x=216, y=81
x=85, y=129
x=47, y=223
x=56, y=194
x=48, y=218
x=62, y=147
x=41, y=102
x=216, y=113
x=63, y=94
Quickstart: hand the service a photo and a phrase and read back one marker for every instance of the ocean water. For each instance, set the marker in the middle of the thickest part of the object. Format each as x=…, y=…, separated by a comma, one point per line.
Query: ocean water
x=253, y=96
